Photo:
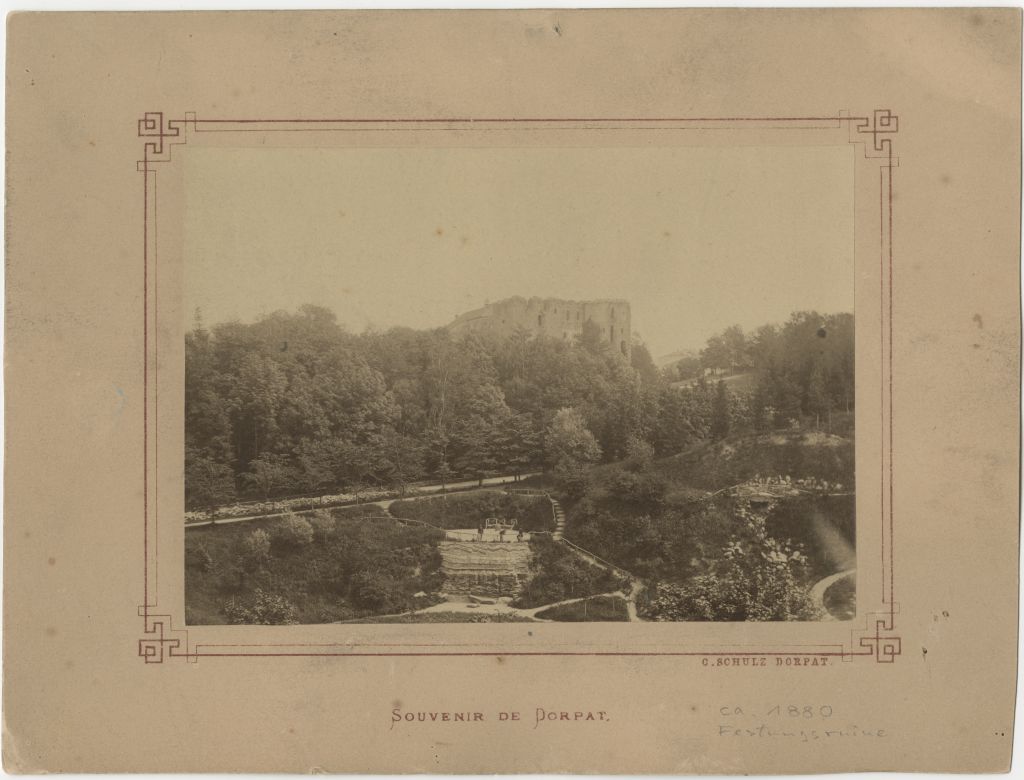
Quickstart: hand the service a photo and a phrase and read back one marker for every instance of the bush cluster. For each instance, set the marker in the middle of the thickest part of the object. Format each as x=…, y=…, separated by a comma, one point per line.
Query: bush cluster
x=326, y=568
x=559, y=574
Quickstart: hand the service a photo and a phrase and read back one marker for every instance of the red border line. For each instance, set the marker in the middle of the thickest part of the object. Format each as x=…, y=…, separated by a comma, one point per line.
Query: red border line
x=145, y=381
x=892, y=557
x=881, y=123
x=526, y=120
x=841, y=654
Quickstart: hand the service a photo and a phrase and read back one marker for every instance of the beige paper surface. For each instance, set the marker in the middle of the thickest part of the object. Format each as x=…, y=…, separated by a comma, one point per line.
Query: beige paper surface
x=146, y=151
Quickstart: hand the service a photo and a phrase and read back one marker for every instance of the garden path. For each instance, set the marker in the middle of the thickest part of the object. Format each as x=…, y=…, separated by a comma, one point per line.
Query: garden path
x=416, y=492
x=817, y=591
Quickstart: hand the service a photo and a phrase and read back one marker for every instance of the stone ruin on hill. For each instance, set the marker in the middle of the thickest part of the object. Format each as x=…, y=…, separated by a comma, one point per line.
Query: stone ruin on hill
x=551, y=317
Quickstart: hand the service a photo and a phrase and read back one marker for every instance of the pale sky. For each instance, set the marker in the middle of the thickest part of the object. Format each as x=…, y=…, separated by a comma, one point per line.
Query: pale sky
x=696, y=238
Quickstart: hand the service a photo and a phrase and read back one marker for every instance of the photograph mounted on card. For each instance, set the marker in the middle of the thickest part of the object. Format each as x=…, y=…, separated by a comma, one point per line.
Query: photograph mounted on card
x=535, y=391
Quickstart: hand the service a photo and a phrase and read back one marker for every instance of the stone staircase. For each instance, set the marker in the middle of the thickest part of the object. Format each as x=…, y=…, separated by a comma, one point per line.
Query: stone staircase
x=485, y=568
x=559, y=520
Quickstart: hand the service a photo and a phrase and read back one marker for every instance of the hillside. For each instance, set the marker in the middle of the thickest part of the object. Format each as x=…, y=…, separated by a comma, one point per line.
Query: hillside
x=662, y=361
x=735, y=459
x=366, y=562
x=674, y=521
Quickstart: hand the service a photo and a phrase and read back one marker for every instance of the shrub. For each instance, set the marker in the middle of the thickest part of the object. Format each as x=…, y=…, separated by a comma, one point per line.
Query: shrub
x=199, y=558
x=756, y=577
x=573, y=481
x=255, y=550
x=335, y=613
x=323, y=524
x=292, y=533
x=641, y=488
x=263, y=609
x=639, y=453
x=229, y=576
x=634, y=541
x=318, y=578
x=376, y=592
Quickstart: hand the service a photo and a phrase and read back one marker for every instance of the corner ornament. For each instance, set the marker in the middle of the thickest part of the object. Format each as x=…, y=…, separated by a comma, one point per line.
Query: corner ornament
x=160, y=137
x=157, y=644
x=881, y=126
x=881, y=644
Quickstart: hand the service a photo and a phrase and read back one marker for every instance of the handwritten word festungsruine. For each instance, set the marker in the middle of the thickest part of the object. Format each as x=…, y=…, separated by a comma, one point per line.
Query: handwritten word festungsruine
x=763, y=731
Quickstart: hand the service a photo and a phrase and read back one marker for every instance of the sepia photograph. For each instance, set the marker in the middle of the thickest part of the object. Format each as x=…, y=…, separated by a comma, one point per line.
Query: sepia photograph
x=521, y=391
x=533, y=384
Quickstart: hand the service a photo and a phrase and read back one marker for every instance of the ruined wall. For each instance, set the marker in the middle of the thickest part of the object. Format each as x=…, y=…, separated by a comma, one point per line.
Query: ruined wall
x=551, y=317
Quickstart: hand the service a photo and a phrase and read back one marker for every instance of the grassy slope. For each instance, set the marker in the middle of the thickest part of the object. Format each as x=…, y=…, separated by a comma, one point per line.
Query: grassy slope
x=467, y=510
x=559, y=574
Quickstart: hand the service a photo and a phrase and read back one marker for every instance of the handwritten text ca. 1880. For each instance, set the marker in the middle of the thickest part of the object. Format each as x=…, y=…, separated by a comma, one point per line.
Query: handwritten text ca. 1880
x=803, y=722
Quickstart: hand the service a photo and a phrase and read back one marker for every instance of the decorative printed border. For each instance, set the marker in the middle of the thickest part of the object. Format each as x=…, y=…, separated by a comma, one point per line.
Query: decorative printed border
x=875, y=132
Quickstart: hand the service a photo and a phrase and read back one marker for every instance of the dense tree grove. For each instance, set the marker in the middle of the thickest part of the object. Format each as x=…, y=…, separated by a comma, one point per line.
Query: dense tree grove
x=804, y=367
x=294, y=403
